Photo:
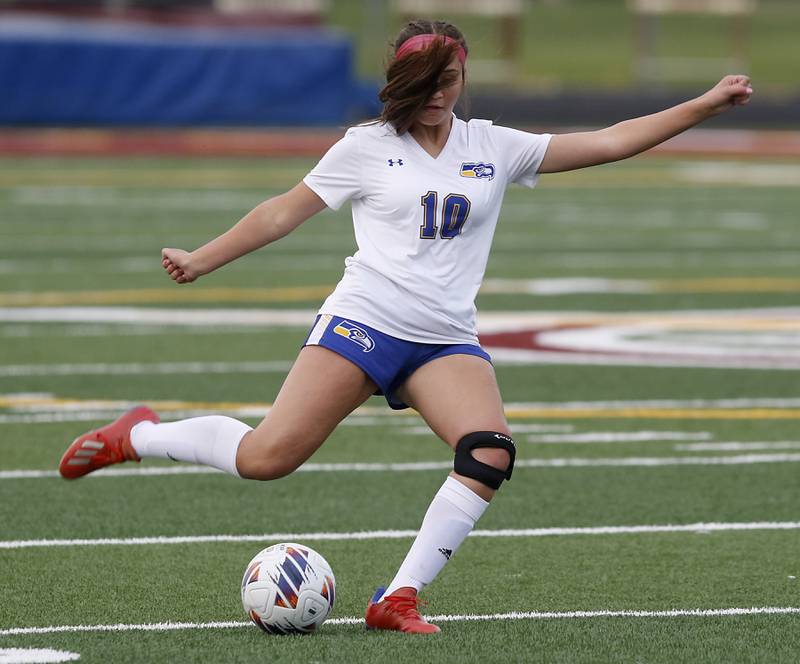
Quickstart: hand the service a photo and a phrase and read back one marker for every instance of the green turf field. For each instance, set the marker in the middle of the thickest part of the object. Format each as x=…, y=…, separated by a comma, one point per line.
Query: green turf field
x=691, y=263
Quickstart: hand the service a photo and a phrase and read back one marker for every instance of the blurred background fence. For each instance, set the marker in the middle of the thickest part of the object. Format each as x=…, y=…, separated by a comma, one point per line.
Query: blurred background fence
x=319, y=62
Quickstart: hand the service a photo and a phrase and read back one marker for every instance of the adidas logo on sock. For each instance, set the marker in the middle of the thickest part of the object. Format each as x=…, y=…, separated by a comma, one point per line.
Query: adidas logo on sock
x=446, y=552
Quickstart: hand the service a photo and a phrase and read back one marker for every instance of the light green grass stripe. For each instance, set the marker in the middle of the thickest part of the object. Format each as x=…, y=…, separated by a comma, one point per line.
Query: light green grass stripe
x=574, y=462
x=401, y=534
x=513, y=615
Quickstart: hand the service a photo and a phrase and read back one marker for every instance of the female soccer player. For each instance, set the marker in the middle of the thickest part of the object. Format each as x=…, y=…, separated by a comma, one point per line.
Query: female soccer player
x=426, y=189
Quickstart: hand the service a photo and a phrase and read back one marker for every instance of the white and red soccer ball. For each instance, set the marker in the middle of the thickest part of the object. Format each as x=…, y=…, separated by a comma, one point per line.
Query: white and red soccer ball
x=288, y=589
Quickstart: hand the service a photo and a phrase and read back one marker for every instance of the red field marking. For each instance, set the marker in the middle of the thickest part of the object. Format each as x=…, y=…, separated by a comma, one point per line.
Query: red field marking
x=314, y=142
x=184, y=142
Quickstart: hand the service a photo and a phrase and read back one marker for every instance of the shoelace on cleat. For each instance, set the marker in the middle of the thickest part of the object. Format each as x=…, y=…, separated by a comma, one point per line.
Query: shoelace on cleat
x=406, y=606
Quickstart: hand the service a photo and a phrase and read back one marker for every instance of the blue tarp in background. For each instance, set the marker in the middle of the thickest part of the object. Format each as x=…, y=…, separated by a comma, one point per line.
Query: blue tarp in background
x=68, y=72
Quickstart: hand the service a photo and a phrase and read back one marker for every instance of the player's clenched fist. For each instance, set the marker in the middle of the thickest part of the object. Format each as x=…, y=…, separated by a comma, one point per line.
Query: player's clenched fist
x=731, y=91
x=177, y=263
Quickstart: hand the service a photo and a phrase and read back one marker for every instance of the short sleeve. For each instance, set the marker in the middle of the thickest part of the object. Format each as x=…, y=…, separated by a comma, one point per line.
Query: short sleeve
x=337, y=176
x=525, y=152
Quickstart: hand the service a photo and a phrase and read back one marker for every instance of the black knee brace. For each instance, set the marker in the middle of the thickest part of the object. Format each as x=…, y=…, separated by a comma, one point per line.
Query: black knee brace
x=467, y=465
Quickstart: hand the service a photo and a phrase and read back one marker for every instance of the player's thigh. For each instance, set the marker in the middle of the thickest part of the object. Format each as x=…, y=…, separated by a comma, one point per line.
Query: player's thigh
x=321, y=389
x=456, y=395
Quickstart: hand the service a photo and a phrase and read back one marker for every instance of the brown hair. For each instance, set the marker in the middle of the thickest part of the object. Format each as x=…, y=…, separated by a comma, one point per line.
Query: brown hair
x=414, y=79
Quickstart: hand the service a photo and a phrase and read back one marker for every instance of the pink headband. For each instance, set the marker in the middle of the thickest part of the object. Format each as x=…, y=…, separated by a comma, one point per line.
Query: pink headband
x=421, y=42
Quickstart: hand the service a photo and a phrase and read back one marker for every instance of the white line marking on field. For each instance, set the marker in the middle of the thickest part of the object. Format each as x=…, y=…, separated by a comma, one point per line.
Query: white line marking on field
x=513, y=615
x=356, y=419
x=489, y=321
x=101, y=369
x=735, y=446
x=620, y=437
x=744, y=402
x=575, y=462
x=161, y=317
x=49, y=403
x=717, y=172
x=567, y=286
x=36, y=656
x=587, y=436
x=541, y=428
x=403, y=534
x=61, y=196
x=96, y=416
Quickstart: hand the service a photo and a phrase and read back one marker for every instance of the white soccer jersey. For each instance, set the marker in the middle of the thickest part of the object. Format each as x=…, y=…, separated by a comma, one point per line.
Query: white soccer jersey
x=423, y=225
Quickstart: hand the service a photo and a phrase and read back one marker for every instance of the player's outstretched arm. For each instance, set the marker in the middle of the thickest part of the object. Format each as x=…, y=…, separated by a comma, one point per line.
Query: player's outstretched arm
x=267, y=222
x=568, y=152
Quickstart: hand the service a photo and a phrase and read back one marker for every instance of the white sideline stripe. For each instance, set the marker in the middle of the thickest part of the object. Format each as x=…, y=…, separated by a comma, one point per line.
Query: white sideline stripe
x=576, y=462
x=591, y=436
x=734, y=446
x=402, y=534
x=488, y=321
x=744, y=402
x=513, y=615
x=49, y=403
x=104, y=415
x=620, y=437
x=130, y=369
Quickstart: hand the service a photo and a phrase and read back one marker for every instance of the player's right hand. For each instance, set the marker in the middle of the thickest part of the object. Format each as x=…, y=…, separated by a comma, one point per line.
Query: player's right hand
x=177, y=263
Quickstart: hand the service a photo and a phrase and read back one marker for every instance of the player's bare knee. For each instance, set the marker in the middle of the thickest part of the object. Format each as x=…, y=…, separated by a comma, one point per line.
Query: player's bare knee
x=267, y=458
x=485, y=456
x=494, y=457
x=265, y=470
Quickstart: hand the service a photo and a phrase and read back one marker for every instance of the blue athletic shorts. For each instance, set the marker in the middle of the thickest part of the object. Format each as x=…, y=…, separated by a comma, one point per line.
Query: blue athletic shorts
x=387, y=360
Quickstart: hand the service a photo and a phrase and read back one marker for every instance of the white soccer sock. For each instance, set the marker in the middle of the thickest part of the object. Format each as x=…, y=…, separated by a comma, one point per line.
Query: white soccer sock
x=212, y=441
x=449, y=519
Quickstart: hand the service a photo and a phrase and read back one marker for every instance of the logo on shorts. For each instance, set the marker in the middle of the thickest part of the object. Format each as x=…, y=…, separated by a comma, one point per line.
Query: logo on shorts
x=355, y=333
x=477, y=169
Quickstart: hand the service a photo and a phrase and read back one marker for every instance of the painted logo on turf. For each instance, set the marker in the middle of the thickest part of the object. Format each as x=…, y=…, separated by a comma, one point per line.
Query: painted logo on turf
x=477, y=169
x=356, y=334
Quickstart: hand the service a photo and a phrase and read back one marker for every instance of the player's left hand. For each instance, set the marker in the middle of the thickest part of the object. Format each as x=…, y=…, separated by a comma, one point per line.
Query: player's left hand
x=731, y=91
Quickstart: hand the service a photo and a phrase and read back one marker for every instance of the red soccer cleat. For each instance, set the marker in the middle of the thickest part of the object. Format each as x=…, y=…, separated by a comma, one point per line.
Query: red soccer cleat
x=397, y=612
x=104, y=446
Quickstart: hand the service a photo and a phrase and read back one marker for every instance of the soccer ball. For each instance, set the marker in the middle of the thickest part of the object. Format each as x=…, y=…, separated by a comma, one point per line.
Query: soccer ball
x=288, y=589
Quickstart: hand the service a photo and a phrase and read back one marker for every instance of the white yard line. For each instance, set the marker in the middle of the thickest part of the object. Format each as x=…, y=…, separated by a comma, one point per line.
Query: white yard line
x=735, y=446
x=43, y=408
x=574, y=462
x=513, y=615
x=702, y=528
x=588, y=436
x=127, y=369
x=540, y=428
x=50, y=403
x=488, y=321
x=742, y=402
x=620, y=437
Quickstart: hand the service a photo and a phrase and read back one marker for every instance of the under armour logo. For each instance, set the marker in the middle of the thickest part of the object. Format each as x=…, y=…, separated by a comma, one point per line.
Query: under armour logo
x=392, y=162
x=446, y=552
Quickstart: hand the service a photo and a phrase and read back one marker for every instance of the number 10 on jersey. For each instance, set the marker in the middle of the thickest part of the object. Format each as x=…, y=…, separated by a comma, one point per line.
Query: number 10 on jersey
x=455, y=210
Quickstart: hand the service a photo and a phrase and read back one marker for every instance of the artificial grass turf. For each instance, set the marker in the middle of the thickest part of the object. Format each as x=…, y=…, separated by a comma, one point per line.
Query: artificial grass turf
x=198, y=584
x=639, y=220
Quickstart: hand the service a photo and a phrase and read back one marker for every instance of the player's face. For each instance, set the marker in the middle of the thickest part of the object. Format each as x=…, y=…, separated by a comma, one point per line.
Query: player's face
x=439, y=108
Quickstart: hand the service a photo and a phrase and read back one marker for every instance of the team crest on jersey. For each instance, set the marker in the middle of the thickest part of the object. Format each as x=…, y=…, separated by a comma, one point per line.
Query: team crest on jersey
x=477, y=169
x=356, y=334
